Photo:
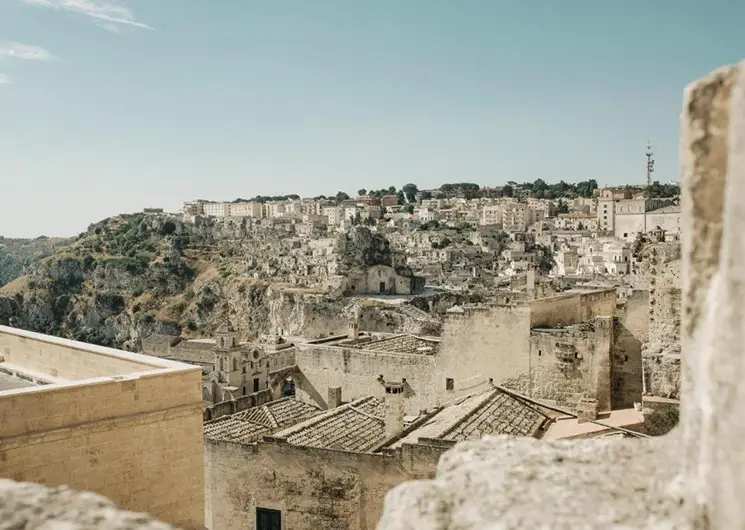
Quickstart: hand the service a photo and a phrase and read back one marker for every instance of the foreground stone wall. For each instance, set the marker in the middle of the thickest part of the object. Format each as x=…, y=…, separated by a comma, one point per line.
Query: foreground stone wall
x=32, y=507
x=692, y=478
x=136, y=439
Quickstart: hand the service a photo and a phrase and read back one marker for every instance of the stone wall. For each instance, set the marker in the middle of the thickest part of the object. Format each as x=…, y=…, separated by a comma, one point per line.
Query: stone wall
x=661, y=355
x=482, y=345
x=630, y=333
x=312, y=488
x=564, y=364
x=356, y=371
x=571, y=308
x=33, y=506
x=135, y=438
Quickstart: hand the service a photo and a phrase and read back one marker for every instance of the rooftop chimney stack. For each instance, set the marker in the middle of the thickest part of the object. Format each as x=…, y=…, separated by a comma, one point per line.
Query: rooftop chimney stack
x=394, y=409
x=334, y=398
x=353, y=325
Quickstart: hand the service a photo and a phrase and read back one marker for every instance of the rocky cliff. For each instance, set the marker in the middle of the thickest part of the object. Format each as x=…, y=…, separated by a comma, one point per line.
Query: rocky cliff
x=132, y=275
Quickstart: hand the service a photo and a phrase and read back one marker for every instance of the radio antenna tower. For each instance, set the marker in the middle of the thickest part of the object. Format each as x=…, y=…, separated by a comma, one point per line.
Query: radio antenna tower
x=650, y=166
x=650, y=170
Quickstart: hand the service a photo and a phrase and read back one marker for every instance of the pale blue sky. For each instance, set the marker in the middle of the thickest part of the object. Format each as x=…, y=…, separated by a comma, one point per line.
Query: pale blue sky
x=153, y=102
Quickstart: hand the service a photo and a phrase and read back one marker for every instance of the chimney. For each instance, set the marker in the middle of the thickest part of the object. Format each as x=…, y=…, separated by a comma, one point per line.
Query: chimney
x=353, y=325
x=394, y=409
x=587, y=409
x=334, y=398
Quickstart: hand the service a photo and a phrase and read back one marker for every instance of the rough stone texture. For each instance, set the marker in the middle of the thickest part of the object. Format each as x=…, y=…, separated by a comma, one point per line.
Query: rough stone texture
x=693, y=482
x=33, y=507
x=504, y=482
x=713, y=157
x=661, y=353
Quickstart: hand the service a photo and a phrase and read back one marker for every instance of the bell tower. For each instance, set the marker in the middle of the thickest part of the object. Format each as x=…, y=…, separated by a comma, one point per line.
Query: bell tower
x=227, y=356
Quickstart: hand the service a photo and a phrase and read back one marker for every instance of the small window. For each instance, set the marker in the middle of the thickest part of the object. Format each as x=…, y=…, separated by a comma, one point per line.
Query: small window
x=539, y=353
x=625, y=234
x=449, y=384
x=268, y=519
x=625, y=358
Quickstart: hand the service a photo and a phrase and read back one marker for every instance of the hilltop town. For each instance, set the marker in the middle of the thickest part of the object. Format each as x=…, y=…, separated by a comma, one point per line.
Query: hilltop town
x=356, y=339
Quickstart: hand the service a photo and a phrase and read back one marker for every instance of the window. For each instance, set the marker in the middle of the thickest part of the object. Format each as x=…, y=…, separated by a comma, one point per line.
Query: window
x=235, y=364
x=539, y=353
x=625, y=234
x=268, y=519
x=449, y=384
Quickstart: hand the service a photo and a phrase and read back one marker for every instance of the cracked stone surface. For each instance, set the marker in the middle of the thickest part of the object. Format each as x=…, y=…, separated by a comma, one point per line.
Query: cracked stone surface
x=504, y=483
x=26, y=506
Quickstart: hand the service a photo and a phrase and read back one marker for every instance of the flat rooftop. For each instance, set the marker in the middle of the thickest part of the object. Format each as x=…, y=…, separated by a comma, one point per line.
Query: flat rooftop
x=9, y=382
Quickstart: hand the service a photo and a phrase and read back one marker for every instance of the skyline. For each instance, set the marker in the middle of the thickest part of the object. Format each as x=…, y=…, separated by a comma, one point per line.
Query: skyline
x=108, y=107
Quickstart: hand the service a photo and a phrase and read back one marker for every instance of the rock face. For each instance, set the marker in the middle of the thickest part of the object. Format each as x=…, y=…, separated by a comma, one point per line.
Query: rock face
x=130, y=276
x=35, y=507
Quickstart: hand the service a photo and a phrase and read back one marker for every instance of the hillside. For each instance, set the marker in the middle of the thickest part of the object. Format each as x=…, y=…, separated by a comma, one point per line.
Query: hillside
x=132, y=275
x=18, y=254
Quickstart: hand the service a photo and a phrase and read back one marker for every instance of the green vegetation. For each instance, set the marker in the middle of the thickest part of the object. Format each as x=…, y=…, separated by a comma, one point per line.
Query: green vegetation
x=16, y=255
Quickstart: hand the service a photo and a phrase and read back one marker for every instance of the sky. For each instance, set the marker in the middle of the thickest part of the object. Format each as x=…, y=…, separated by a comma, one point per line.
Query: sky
x=109, y=106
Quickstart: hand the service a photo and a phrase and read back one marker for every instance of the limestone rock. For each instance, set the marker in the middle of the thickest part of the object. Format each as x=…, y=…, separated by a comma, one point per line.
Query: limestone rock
x=521, y=483
x=35, y=507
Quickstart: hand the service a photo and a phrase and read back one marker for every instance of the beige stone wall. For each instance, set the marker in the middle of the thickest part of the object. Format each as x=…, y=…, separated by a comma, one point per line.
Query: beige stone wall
x=356, y=371
x=572, y=308
x=136, y=439
x=564, y=364
x=67, y=359
x=631, y=332
x=313, y=488
x=484, y=344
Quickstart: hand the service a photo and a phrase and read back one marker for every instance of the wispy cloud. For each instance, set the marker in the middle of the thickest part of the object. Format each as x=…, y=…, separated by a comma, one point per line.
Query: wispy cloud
x=107, y=12
x=5, y=79
x=24, y=52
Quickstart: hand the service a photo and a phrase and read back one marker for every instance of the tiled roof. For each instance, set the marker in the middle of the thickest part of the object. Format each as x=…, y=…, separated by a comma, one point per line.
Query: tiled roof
x=357, y=426
x=251, y=425
x=475, y=416
x=403, y=344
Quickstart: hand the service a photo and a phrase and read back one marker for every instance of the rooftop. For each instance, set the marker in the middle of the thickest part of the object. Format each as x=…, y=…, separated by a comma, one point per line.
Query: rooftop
x=402, y=344
x=358, y=426
x=9, y=382
x=475, y=416
x=251, y=425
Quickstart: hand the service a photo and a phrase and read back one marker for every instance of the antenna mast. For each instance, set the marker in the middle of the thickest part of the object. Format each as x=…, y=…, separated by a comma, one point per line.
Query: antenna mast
x=650, y=170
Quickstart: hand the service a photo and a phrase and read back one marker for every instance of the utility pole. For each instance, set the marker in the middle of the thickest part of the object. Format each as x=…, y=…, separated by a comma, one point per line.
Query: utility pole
x=650, y=170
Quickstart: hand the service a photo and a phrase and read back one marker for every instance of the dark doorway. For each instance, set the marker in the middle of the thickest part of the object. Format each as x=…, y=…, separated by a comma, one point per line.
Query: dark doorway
x=256, y=384
x=268, y=519
x=382, y=287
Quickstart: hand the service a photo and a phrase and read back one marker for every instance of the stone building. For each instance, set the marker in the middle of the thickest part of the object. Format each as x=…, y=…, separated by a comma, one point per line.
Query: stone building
x=555, y=349
x=116, y=423
x=230, y=369
x=333, y=469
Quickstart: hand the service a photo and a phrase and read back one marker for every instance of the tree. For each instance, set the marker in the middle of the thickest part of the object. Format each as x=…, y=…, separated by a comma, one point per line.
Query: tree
x=401, y=198
x=410, y=208
x=508, y=191
x=410, y=190
x=392, y=190
x=562, y=206
x=341, y=196
x=362, y=192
